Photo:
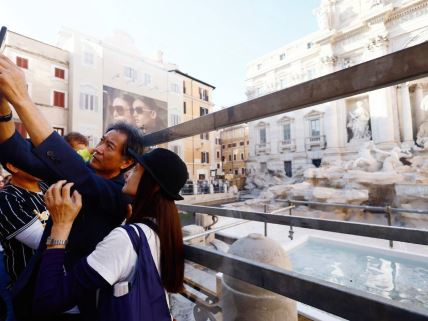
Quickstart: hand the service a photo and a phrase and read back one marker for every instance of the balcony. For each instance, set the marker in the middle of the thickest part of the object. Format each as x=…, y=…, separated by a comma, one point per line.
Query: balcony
x=315, y=141
x=263, y=149
x=286, y=145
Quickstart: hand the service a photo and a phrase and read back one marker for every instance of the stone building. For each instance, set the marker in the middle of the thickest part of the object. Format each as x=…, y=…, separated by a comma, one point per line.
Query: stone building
x=197, y=151
x=350, y=32
x=46, y=70
x=234, y=153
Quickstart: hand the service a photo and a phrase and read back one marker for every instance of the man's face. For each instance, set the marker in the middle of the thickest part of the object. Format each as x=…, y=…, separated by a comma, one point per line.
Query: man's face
x=121, y=110
x=108, y=159
x=144, y=117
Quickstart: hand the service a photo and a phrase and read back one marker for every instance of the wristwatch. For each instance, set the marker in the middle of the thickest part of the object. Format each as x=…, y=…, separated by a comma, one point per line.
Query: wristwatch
x=5, y=118
x=51, y=241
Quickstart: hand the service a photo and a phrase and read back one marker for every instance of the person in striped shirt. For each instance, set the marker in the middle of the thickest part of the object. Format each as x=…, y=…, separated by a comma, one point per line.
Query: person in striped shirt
x=22, y=217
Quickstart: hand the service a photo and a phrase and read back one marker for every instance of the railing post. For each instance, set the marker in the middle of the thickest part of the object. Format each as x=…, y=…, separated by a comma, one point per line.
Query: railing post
x=266, y=210
x=291, y=232
x=389, y=219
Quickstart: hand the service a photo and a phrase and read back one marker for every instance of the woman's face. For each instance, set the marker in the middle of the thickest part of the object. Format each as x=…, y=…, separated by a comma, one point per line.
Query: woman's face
x=132, y=180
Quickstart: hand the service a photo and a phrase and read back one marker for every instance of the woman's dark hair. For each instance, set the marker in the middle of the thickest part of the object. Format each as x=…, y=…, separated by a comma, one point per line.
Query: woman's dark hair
x=151, y=203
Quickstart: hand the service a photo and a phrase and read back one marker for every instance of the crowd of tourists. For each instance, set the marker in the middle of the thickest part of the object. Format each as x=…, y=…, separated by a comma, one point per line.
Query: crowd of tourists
x=86, y=233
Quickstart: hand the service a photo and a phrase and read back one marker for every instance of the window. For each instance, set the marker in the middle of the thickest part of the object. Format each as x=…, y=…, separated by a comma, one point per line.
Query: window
x=286, y=131
x=147, y=80
x=288, y=168
x=176, y=149
x=22, y=62
x=88, y=99
x=88, y=58
x=175, y=119
x=218, y=166
x=59, y=73
x=218, y=154
x=262, y=135
x=130, y=73
x=184, y=87
x=201, y=177
x=234, y=157
x=309, y=45
x=315, y=127
x=203, y=111
x=248, y=142
x=204, y=136
x=184, y=107
x=316, y=162
x=242, y=156
x=205, y=95
x=241, y=143
x=58, y=99
x=175, y=88
x=282, y=56
x=236, y=172
x=205, y=157
x=234, y=145
x=223, y=146
x=259, y=66
x=230, y=158
x=59, y=130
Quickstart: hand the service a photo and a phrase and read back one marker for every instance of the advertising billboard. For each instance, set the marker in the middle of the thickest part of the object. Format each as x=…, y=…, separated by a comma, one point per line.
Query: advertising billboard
x=146, y=113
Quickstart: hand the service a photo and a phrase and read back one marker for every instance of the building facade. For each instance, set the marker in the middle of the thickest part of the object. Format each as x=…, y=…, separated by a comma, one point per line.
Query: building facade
x=46, y=70
x=234, y=150
x=197, y=151
x=350, y=32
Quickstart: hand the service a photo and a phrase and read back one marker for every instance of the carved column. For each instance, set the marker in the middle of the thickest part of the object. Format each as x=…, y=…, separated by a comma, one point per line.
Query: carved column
x=406, y=115
x=331, y=121
x=381, y=113
x=419, y=111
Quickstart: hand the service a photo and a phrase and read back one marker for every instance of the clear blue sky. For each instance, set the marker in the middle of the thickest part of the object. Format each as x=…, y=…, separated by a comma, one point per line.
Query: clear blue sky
x=210, y=40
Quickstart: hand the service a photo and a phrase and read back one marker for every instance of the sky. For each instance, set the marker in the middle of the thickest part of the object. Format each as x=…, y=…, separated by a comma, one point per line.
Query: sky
x=210, y=40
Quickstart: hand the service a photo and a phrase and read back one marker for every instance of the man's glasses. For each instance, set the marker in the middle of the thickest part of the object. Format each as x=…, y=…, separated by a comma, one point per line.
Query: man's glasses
x=120, y=110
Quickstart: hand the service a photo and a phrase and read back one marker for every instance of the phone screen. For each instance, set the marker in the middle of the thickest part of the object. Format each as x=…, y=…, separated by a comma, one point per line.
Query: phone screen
x=2, y=37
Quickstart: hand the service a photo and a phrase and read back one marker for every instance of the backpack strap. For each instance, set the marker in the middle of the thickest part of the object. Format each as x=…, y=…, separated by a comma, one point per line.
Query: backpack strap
x=135, y=239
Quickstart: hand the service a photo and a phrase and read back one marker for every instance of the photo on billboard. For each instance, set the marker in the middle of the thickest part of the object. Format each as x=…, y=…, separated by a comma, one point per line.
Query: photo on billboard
x=146, y=113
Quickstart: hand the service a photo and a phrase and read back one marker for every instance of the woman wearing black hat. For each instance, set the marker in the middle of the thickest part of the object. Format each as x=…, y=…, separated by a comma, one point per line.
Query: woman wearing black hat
x=135, y=264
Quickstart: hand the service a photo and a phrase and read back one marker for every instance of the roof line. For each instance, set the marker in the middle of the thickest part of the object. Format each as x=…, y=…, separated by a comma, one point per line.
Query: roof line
x=193, y=78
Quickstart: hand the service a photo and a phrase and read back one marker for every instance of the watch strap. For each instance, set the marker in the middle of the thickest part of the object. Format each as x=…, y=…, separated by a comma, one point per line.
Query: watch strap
x=51, y=241
x=5, y=118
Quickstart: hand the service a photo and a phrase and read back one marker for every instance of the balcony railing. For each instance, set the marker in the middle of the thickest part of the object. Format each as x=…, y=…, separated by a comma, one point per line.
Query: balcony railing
x=287, y=144
x=392, y=69
x=263, y=149
x=316, y=141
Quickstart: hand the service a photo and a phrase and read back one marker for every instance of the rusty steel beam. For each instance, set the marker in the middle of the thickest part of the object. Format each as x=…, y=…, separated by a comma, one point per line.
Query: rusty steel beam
x=392, y=69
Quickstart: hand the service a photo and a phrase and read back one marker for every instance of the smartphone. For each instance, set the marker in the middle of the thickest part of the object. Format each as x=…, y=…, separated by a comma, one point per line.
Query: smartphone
x=2, y=37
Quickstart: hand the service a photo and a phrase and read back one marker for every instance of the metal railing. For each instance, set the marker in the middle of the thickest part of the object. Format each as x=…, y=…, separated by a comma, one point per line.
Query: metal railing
x=392, y=69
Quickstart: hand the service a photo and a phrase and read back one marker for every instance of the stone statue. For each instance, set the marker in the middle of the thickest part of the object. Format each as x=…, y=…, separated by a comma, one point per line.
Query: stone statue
x=358, y=123
x=392, y=162
x=422, y=135
x=370, y=158
x=324, y=15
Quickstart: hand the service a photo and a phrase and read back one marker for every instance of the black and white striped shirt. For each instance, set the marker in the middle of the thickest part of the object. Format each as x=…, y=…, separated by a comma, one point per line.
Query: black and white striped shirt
x=18, y=211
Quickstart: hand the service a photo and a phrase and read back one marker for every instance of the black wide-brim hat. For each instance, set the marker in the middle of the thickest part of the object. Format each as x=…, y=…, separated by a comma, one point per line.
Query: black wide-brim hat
x=167, y=169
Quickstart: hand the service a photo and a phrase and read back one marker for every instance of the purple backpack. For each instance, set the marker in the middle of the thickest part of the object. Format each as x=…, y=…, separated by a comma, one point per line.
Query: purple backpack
x=145, y=298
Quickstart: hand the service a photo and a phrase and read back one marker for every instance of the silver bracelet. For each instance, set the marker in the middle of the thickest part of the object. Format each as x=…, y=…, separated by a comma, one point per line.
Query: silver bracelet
x=51, y=241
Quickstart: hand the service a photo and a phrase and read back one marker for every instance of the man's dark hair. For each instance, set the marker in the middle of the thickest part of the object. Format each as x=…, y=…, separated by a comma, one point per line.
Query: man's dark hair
x=73, y=137
x=134, y=137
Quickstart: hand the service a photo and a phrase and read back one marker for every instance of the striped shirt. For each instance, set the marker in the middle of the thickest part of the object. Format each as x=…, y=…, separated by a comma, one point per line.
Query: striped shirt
x=19, y=209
